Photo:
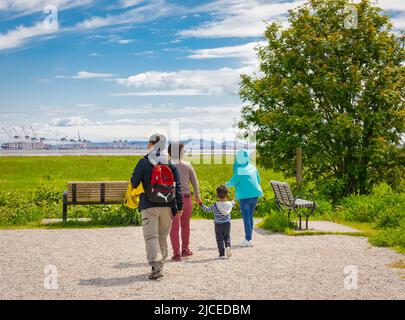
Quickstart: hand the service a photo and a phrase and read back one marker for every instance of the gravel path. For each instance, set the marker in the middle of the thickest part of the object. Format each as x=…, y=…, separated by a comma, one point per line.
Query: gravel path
x=110, y=264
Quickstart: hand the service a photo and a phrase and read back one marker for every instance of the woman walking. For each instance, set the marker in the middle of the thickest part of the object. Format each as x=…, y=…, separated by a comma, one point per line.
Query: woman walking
x=187, y=177
x=246, y=180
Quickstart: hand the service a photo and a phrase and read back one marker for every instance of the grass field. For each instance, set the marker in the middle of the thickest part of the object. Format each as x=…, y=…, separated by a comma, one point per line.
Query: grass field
x=27, y=173
x=31, y=187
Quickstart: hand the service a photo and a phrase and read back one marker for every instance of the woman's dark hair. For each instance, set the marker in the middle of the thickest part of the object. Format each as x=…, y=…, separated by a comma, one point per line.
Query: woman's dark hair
x=179, y=145
x=222, y=191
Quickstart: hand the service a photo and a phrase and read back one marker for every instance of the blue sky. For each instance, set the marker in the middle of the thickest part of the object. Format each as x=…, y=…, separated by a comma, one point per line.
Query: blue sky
x=122, y=69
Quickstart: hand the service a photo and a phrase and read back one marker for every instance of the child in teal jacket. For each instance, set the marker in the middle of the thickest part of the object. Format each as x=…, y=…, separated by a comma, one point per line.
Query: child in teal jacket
x=246, y=181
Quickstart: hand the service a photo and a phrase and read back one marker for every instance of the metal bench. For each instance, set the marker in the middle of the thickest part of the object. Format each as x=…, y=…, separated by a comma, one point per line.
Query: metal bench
x=93, y=192
x=285, y=199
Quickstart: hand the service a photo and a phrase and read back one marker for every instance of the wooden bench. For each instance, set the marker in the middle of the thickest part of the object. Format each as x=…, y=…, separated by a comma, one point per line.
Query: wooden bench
x=285, y=199
x=93, y=192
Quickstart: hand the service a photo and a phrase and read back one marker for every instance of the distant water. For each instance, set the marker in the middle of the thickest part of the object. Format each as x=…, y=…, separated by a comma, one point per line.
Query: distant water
x=45, y=153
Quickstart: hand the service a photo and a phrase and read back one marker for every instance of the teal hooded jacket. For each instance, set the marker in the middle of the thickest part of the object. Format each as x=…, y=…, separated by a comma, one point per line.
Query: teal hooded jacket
x=246, y=178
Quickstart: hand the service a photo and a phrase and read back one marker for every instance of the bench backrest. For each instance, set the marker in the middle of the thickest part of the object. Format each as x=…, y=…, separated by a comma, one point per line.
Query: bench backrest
x=108, y=192
x=282, y=192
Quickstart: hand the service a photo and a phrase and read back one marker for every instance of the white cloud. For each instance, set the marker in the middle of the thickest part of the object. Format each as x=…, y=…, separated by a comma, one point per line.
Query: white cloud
x=17, y=37
x=239, y=18
x=177, y=92
x=148, y=11
x=21, y=34
x=95, y=22
x=146, y=53
x=399, y=22
x=396, y=5
x=91, y=75
x=129, y=3
x=185, y=82
x=125, y=41
x=128, y=111
x=87, y=75
x=245, y=53
x=85, y=105
x=75, y=121
x=24, y=7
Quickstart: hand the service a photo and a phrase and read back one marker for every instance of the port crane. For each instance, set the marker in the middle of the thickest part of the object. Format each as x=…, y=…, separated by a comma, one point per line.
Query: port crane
x=7, y=133
x=25, y=133
x=34, y=137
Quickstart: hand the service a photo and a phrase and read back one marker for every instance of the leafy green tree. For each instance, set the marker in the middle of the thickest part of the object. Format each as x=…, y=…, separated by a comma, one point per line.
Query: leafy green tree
x=335, y=90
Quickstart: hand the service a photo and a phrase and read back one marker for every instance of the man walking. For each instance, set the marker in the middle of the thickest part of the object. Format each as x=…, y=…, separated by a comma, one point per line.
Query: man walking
x=162, y=199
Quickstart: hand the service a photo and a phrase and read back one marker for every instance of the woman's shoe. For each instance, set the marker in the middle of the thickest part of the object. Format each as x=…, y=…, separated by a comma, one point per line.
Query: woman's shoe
x=244, y=243
x=176, y=257
x=186, y=253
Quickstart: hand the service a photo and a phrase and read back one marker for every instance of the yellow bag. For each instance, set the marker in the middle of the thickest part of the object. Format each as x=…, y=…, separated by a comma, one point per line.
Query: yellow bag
x=132, y=196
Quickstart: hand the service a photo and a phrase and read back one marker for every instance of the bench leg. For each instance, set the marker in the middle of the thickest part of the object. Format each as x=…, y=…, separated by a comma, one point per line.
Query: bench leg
x=300, y=222
x=306, y=223
x=64, y=213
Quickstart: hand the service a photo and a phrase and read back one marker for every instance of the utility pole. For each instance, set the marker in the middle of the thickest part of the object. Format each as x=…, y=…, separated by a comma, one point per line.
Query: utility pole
x=298, y=168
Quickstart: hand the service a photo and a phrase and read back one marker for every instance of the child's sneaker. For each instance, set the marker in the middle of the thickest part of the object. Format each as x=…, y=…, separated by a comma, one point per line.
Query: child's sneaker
x=228, y=251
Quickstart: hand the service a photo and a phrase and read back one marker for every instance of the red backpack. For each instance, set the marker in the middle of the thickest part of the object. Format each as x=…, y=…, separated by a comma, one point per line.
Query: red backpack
x=162, y=185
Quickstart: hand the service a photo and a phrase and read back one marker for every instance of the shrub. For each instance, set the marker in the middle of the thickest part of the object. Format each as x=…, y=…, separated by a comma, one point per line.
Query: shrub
x=115, y=215
x=357, y=208
x=386, y=210
x=390, y=217
x=22, y=208
x=44, y=195
x=390, y=237
x=12, y=199
x=277, y=222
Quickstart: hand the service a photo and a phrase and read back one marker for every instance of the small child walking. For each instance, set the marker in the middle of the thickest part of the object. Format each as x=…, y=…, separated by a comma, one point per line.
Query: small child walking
x=222, y=219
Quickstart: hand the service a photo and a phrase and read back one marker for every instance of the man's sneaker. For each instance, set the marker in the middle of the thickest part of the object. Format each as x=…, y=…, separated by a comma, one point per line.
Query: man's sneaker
x=228, y=252
x=156, y=273
x=176, y=257
x=221, y=257
x=186, y=253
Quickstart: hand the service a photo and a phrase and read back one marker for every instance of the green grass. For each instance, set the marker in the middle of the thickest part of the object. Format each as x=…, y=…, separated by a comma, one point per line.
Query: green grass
x=31, y=188
x=59, y=225
x=27, y=173
x=294, y=233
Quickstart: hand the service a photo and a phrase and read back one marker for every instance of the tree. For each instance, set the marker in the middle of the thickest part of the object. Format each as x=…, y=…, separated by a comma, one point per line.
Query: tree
x=337, y=92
